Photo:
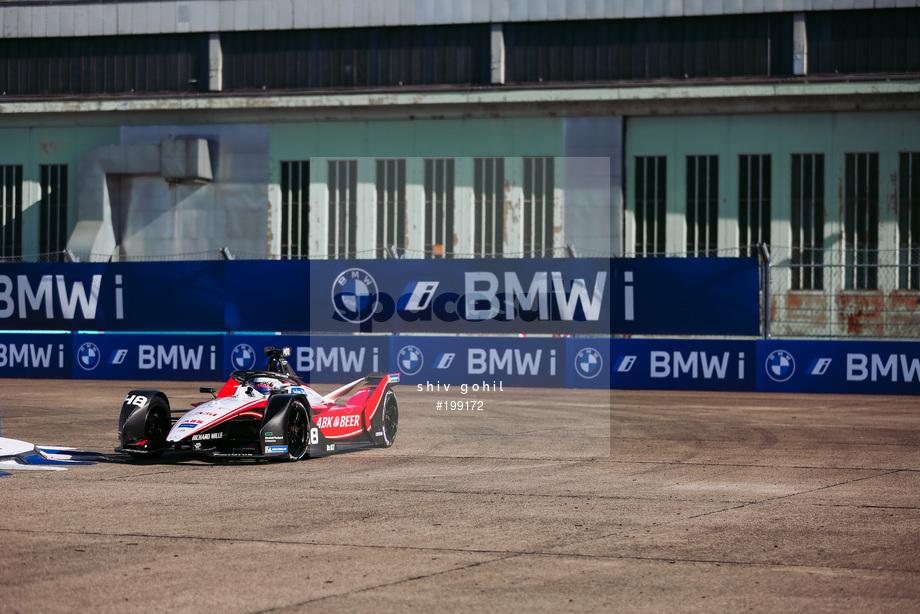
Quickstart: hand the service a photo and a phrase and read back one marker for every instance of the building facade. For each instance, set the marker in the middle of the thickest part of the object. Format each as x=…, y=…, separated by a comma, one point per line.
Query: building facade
x=503, y=128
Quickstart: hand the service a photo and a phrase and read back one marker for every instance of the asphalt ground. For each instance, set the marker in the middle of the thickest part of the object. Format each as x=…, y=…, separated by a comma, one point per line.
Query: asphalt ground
x=545, y=500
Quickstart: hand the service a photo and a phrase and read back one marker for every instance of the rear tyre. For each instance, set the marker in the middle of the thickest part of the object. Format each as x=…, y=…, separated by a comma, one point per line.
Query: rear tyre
x=298, y=431
x=390, y=419
x=156, y=428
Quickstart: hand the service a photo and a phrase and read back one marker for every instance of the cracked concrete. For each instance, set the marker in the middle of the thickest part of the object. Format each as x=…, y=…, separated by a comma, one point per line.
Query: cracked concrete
x=546, y=500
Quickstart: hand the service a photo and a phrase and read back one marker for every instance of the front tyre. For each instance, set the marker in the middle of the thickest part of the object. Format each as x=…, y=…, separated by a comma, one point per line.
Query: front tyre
x=390, y=420
x=156, y=427
x=298, y=431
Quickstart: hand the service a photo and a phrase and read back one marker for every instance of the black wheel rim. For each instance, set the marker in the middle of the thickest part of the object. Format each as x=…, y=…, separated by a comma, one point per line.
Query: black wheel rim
x=157, y=426
x=390, y=421
x=297, y=432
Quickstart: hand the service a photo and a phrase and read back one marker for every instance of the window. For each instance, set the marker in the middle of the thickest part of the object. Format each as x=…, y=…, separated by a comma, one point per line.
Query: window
x=96, y=65
x=10, y=211
x=439, y=207
x=539, y=199
x=489, y=204
x=53, y=210
x=651, y=205
x=702, y=205
x=391, y=204
x=649, y=48
x=343, y=208
x=909, y=221
x=357, y=57
x=807, y=221
x=867, y=41
x=861, y=221
x=295, y=203
x=753, y=202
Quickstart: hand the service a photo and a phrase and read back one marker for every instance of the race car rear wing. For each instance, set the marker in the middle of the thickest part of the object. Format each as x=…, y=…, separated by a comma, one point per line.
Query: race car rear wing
x=372, y=379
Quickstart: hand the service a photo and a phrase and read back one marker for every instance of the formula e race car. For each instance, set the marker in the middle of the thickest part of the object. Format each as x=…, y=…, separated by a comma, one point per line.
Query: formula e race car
x=268, y=414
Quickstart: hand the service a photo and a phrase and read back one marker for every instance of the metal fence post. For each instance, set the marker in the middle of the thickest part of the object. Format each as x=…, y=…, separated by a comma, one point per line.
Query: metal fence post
x=764, y=250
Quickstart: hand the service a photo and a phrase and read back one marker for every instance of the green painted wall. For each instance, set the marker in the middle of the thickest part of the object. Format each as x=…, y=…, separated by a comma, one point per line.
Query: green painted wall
x=67, y=142
x=33, y=147
x=833, y=134
x=424, y=138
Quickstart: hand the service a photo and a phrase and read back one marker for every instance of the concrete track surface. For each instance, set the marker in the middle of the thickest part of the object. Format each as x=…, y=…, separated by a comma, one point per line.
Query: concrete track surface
x=546, y=500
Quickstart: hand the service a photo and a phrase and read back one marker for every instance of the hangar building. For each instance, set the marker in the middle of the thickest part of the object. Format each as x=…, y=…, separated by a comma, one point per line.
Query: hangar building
x=152, y=129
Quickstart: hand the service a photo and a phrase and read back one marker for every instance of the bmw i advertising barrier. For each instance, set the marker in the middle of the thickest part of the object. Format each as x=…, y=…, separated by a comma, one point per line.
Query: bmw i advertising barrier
x=138, y=296
x=462, y=296
x=316, y=358
x=578, y=296
x=572, y=296
x=488, y=363
x=171, y=356
x=884, y=367
x=678, y=364
x=32, y=354
x=857, y=367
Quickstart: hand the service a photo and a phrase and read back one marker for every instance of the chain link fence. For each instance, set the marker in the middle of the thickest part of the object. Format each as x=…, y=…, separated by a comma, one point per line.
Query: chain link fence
x=842, y=293
x=810, y=294
x=388, y=252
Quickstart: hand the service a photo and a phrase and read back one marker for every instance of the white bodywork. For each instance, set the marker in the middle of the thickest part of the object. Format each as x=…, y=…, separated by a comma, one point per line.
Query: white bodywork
x=245, y=398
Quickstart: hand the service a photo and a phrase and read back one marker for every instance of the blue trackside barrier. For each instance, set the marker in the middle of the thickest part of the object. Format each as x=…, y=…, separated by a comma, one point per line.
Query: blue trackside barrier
x=479, y=322
x=853, y=367
x=574, y=296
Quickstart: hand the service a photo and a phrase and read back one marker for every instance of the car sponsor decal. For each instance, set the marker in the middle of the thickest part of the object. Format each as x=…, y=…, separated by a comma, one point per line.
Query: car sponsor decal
x=336, y=422
x=199, y=425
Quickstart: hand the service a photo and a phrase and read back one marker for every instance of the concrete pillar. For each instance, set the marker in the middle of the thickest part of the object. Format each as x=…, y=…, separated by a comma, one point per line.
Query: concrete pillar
x=799, y=45
x=498, y=54
x=215, y=63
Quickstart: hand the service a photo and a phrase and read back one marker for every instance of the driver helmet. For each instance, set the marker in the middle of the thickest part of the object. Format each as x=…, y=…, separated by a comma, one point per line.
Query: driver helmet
x=264, y=385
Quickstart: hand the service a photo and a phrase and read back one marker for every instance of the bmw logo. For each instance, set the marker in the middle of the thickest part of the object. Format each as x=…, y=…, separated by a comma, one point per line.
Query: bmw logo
x=780, y=365
x=588, y=363
x=410, y=360
x=243, y=357
x=354, y=296
x=88, y=356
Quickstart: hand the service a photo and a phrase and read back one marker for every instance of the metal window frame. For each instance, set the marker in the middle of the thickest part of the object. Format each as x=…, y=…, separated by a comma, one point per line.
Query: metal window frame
x=861, y=217
x=807, y=202
x=10, y=211
x=539, y=206
x=295, y=205
x=343, y=208
x=755, y=174
x=909, y=221
x=489, y=206
x=702, y=212
x=440, y=176
x=53, y=209
x=651, y=205
x=391, y=204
